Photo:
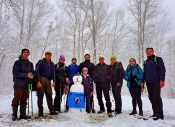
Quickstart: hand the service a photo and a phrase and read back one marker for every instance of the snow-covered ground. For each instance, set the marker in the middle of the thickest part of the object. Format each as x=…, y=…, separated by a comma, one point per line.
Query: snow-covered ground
x=96, y=120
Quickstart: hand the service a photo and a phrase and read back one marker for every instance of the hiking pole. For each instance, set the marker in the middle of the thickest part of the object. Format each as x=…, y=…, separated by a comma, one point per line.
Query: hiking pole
x=30, y=90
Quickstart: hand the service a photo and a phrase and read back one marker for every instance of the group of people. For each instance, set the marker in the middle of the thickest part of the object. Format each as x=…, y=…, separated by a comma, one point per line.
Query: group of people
x=104, y=77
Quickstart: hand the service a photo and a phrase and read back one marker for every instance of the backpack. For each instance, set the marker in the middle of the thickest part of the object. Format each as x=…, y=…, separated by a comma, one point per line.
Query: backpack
x=38, y=64
x=122, y=68
x=155, y=61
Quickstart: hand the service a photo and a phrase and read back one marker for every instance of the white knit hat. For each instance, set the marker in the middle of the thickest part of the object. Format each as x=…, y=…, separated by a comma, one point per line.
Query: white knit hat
x=85, y=69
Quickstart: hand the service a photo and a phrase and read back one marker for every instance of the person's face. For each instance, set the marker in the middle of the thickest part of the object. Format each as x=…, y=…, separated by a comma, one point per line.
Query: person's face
x=74, y=61
x=62, y=61
x=48, y=57
x=25, y=54
x=85, y=72
x=87, y=57
x=131, y=62
x=101, y=60
x=113, y=61
x=149, y=52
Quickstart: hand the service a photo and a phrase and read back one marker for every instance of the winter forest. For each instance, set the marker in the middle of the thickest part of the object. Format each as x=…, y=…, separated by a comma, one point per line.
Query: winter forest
x=75, y=27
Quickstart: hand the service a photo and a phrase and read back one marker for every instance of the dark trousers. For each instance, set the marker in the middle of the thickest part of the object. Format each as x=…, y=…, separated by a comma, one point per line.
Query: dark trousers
x=88, y=101
x=92, y=102
x=105, y=91
x=58, y=96
x=46, y=88
x=20, y=97
x=154, y=92
x=136, y=97
x=117, y=97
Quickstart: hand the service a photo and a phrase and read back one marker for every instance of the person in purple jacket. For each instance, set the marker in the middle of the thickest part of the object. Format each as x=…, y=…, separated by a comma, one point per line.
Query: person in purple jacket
x=88, y=88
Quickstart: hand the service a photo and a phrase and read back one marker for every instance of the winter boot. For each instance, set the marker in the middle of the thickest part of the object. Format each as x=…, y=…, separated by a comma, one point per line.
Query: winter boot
x=110, y=114
x=140, y=113
x=93, y=110
x=23, y=113
x=14, y=115
x=133, y=112
x=53, y=113
x=158, y=118
x=154, y=115
x=100, y=111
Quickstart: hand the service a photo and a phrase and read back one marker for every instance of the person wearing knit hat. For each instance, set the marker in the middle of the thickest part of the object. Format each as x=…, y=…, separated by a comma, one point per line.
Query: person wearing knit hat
x=102, y=80
x=101, y=56
x=62, y=57
x=85, y=69
x=61, y=74
x=117, y=73
x=48, y=52
x=113, y=57
x=88, y=88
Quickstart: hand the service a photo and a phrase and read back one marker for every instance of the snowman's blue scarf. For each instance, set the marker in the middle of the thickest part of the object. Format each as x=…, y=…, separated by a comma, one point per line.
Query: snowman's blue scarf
x=76, y=100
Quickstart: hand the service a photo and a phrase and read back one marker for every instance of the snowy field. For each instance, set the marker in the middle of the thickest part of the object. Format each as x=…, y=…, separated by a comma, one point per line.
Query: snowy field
x=86, y=120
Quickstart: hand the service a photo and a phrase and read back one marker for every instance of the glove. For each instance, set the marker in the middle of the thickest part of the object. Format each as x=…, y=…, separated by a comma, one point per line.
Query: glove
x=118, y=84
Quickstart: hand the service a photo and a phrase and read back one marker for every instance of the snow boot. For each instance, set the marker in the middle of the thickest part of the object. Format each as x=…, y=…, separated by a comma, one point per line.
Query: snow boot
x=158, y=118
x=140, y=113
x=53, y=113
x=133, y=112
x=110, y=114
x=40, y=114
x=23, y=113
x=154, y=115
x=14, y=115
x=100, y=111
x=93, y=110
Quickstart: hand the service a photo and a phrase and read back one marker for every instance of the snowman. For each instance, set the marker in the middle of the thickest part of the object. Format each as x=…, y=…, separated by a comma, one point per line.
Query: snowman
x=75, y=100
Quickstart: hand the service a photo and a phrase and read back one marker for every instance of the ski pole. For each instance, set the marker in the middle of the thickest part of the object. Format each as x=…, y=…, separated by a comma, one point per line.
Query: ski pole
x=30, y=90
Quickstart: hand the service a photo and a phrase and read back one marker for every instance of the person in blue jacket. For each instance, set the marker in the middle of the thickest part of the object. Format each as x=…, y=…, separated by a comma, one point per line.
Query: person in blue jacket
x=133, y=76
x=154, y=76
x=72, y=71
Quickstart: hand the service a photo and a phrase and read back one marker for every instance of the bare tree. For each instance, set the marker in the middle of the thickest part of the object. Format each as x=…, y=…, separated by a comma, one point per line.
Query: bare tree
x=143, y=12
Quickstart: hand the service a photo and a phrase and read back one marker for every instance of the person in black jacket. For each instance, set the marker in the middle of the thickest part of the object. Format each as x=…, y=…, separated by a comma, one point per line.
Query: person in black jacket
x=45, y=72
x=90, y=67
x=102, y=80
x=22, y=73
x=61, y=73
x=117, y=73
